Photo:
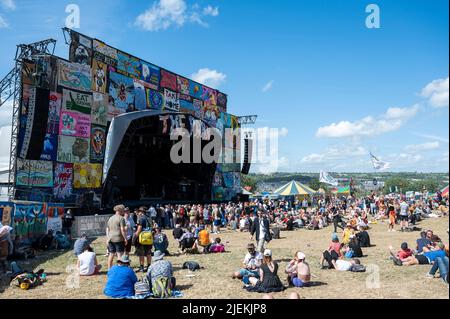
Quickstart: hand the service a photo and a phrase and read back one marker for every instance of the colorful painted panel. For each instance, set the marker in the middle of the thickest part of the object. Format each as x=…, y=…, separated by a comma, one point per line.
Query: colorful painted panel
x=121, y=90
x=54, y=111
x=34, y=173
x=195, y=90
x=76, y=101
x=75, y=124
x=171, y=101
x=128, y=65
x=104, y=49
x=150, y=74
x=50, y=148
x=73, y=149
x=6, y=213
x=99, y=109
x=140, y=96
x=155, y=100
x=75, y=76
x=209, y=97
x=46, y=68
x=183, y=85
x=168, y=80
x=63, y=181
x=99, y=72
x=87, y=175
x=98, y=144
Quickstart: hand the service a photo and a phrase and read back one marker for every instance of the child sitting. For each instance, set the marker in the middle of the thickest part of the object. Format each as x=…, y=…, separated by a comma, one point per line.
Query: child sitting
x=217, y=246
x=401, y=255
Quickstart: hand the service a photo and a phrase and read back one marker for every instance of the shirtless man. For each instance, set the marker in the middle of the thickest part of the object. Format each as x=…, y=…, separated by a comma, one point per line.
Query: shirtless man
x=303, y=272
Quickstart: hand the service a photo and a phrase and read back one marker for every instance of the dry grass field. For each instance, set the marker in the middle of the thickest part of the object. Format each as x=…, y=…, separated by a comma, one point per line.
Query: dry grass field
x=384, y=280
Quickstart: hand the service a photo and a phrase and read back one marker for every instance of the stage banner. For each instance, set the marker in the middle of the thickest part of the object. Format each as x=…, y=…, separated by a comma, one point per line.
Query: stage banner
x=37, y=220
x=63, y=181
x=237, y=182
x=105, y=50
x=99, y=81
x=54, y=224
x=28, y=109
x=50, y=148
x=140, y=96
x=76, y=101
x=218, y=193
x=168, y=80
x=195, y=90
x=80, y=50
x=87, y=175
x=55, y=210
x=228, y=179
x=209, y=97
x=150, y=74
x=198, y=106
x=128, y=65
x=183, y=85
x=99, y=109
x=54, y=111
x=34, y=173
x=121, y=90
x=46, y=70
x=74, y=76
x=218, y=179
x=98, y=144
x=28, y=72
x=6, y=212
x=171, y=101
x=73, y=149
x=187, y=107
x=75, y=124
x=19, y=221
x=211, y=114
x=155, y=100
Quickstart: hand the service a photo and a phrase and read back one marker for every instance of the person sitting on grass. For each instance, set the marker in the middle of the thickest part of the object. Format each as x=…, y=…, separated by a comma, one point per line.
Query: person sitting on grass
x=346, y=233
x=332, y=253
x=160, y=241
x=268, y=280
x=203, y=239
x=252, y=262
x=427, y=258
x=354, y=249
x=441, y=264
x=87, y=263
x=160, y=276
x=80, y=245
x=217, y=246
x=178, y=233
x=188, y=242
x=363, y=237
x=401, y=255
x=299, y=273
x=121, y=279
x=423, y=242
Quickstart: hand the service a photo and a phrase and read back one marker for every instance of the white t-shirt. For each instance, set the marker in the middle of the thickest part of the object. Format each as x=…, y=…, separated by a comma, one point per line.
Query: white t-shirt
x=262, y=231
x=404, y=209
x=250, y=260
x=343, y=265
x=87, y=263
x=242, y=222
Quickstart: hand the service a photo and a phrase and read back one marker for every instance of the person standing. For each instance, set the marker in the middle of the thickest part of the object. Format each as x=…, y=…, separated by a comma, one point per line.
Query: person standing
x=67, y=222
x=404, y=215
x=143, y=249
x=261, y=230
x=116, y=234
x=130, y=230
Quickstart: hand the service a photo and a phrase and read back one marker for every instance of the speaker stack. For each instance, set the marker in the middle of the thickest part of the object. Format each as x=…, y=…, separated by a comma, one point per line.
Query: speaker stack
x=247, y=156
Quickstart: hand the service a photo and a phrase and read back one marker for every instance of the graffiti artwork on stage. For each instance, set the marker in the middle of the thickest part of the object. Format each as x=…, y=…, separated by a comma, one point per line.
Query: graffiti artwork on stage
x=46, y=73
x=28, y=109
x=76, y=101
x=195, y=90
x=54, y=111
x=34, y=173
x=73, y=149
x=28, y=73
x=183, y=85
x=211, y=114
x=6, y=212
x=121, y=90
x=187, y=107
x=228, y=179
x=50, y=148
x=80, y=49
x=209, y=97
x=222, y=101
x=168, y=80
x=198, y=105
x=113, y=111
x=150, y=74
x=171, y=101
x=155, y=100
x=99, y=109
x=87, y=175
x=99, y=71
x=218, y=179
x=30, y=221
x=63, y=181
x=75, y=76
x=75, y=124
x=128, y=65
x=140, y=96
x=105, y=50
x=98, y=143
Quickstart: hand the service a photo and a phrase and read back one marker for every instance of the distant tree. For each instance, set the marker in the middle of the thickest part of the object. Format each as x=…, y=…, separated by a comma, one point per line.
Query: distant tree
x=249, y=181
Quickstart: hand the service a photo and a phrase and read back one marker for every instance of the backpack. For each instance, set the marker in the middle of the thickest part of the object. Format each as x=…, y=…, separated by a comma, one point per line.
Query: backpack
x=146, y=236
x=161, y=288
x=217, y=249
x=191, y=265
x=62, y=242
x=358, y=268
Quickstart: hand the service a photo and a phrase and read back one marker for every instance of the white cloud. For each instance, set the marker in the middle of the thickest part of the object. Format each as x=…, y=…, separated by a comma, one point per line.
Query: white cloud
x=8, y=4
x=314, y=158
x=408, y=159
x=3, y=23
x=268, y=86
x=209, y=77
x=392, y=120
x=415, y=148
x=211, y=11
x=6, y=113
x=166, y=13
x=433, y=137
x=336, y=153
x=437, y=93
x=5, y=141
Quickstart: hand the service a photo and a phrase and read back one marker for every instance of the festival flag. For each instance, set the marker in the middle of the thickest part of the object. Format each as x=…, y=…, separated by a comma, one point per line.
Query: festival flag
x=379, y=165
x=328, y=179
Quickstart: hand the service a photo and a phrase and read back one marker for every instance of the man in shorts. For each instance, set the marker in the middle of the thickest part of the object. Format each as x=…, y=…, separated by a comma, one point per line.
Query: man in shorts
x=251, y=264
x=116, y=234
x=143, y=251
x=404, y=215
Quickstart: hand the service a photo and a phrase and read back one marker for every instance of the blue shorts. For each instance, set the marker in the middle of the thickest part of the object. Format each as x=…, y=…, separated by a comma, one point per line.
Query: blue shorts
x=249, y=273
x=299, y=283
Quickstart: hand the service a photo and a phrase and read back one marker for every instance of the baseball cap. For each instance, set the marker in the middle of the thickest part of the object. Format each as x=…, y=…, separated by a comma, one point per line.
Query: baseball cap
x=301, y=256
x=267, y=253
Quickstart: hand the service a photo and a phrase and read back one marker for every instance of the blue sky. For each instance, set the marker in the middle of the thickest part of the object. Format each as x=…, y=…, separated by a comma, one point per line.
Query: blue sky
x=334, y=88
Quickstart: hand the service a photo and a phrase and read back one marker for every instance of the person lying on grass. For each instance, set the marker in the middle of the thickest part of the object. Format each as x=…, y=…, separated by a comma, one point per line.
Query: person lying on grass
x=427, y=258
x=401, y=255
x=251, y=264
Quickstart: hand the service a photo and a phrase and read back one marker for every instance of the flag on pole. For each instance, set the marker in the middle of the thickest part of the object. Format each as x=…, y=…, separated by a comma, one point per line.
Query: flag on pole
x=328, y=179
x=379, y=165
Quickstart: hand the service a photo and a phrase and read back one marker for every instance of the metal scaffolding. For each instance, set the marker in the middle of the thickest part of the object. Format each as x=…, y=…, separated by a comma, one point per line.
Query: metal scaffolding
x=10, y=87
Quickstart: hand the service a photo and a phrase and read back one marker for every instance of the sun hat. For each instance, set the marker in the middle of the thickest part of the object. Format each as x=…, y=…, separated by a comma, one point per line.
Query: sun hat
x=124, y=259
x=267, y=253
x=334, y=237
x=158, y=255
x=301, y=256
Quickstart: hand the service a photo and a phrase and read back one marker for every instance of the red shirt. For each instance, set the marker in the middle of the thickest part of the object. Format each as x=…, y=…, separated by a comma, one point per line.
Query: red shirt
x=403, y=254
x=336, y=247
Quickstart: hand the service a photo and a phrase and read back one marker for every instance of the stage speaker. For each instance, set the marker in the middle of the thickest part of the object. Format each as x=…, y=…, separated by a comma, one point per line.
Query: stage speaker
x=248, y=150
